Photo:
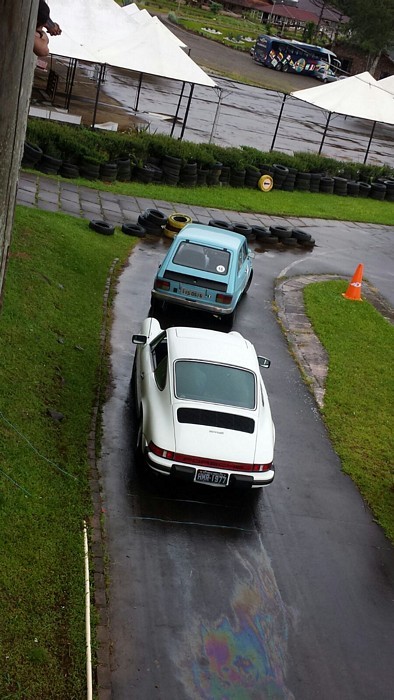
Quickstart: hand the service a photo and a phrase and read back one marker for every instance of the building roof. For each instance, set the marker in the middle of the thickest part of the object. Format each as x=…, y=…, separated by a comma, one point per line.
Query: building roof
x=305, y=11
x=286, y=11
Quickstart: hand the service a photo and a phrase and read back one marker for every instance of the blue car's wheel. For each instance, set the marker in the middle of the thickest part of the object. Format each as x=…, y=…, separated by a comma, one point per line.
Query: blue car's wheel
x=249, y=282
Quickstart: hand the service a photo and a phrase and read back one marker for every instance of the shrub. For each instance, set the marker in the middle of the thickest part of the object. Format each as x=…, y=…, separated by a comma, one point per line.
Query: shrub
x=76, y=143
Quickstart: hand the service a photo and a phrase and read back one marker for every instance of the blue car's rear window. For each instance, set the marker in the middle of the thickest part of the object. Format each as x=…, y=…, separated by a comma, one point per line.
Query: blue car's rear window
x=201, y=257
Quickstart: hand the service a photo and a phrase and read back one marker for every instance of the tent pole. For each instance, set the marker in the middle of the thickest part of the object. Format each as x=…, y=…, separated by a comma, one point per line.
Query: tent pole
x=369, y=143
x=71, y=84
x=325, y=131
x=101, y=73
x=187, y=112
x=216, y=114
x=138, y=93
x=277, y=123
x=177, y=109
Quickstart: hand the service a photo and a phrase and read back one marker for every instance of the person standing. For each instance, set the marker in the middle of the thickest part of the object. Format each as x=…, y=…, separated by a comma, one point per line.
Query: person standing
x=44, y=25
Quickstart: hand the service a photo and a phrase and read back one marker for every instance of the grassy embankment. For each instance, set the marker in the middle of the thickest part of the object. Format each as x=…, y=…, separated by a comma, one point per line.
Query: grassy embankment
x=358, y=408
x=50, y=325
x=274, y=203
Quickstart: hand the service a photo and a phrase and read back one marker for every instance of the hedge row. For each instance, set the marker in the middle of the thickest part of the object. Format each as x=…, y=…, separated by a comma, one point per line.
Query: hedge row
x=75, y=146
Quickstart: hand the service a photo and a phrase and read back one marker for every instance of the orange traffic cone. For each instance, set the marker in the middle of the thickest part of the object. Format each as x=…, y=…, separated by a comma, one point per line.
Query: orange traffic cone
x=354, y=289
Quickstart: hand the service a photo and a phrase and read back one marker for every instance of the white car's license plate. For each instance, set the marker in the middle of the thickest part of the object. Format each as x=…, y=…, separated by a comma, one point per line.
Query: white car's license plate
x=191, y=293
x=206, y=477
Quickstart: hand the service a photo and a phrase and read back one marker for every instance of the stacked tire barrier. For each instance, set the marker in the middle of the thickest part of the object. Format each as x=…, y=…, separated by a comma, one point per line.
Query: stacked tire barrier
x=69, y=170
x=279, y=173
x=225, y=175
x=327, y=185
x=188, y=175
x=124, y=169
x=171, y=168
x=252, y=176
x=49, y=165
x=153, y=221
x=175, y=223
x=389, y=191
x=109, y=172
x=237, y=178
x=340, y=186
x=31, y=155
x=315, y=182
x=303, y=182
x=175, y=171
x=213, y=176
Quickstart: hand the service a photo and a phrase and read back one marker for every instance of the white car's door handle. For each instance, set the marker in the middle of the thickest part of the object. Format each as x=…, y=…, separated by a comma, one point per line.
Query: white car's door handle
x=142, y=375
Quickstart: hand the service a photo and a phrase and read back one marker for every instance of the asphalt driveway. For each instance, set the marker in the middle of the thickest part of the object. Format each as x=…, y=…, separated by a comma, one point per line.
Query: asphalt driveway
x=212, y=596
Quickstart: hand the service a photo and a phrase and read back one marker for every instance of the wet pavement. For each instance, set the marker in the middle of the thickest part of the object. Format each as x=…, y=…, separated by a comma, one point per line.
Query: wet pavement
x=248, y=116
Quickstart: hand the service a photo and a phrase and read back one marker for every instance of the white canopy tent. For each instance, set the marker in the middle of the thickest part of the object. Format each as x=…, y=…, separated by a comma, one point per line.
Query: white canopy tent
x=98, y=28
x=359, y=96
x=102, y=32
x=387, y=84
x=142, y=16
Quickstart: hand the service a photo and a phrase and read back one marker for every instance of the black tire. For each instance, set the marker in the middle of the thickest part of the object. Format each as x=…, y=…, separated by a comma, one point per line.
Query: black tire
x=289, y=242
x=217, y=223
x=249, y=282
x=300, y=235
x=244, y=229
x=261, y=232
x=155, y=216
x=228, y=320
x=131, y=229
x=172, y=160
x=278, y=67
x=307, y=244
x=156, y=307
x=102, y=227
x=280, y=231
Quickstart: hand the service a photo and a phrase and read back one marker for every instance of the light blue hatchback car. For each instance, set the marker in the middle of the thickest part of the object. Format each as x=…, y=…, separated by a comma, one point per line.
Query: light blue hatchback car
x=205, y=268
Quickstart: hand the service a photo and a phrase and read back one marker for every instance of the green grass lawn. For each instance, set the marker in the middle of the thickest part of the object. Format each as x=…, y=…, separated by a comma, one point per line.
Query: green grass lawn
x=297, y=203
x=358, y=407
x=50, y=322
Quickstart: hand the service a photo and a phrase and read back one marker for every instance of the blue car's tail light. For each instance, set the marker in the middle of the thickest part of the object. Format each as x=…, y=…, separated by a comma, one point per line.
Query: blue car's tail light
x=224, y=298
x=161, y=284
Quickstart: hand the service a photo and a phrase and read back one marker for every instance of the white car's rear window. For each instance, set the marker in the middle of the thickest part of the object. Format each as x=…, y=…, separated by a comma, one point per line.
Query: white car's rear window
x=217, y=384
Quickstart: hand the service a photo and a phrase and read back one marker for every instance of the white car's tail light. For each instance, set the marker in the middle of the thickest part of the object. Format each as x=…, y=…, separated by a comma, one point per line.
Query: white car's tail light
x=205, y=462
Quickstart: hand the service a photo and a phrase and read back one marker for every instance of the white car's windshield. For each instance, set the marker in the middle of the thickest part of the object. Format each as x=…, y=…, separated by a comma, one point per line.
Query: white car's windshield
x=219, y=384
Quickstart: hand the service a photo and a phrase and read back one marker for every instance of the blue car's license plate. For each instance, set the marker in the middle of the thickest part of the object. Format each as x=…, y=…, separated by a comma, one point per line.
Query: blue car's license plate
x=206, y=477
x=191, y=293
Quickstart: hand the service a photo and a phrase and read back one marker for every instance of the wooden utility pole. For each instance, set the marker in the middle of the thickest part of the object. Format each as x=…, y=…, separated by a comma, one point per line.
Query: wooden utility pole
x=17, y=25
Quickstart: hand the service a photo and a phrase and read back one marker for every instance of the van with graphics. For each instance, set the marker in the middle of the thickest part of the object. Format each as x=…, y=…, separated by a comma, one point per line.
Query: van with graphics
x=296, y=57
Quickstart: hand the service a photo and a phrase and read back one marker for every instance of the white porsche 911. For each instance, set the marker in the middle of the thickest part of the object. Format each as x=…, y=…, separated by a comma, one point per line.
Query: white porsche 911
x=203, y=410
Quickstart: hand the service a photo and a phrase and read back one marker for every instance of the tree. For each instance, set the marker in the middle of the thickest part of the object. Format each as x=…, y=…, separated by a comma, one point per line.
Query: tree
x=370, y=26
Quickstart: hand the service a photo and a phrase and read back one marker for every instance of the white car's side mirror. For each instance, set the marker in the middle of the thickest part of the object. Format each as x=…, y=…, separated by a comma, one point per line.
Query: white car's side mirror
x=264, y=361
x=139, y=339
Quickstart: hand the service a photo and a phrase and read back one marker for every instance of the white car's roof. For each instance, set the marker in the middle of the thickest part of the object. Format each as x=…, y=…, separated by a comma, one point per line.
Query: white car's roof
x=213, y=346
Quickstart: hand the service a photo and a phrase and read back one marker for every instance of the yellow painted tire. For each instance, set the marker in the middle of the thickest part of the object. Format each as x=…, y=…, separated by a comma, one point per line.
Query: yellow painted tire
x=266, y=183
x=175, y=223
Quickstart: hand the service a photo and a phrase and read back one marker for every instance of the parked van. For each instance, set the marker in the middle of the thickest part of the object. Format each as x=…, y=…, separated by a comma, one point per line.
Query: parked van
x=296, y=57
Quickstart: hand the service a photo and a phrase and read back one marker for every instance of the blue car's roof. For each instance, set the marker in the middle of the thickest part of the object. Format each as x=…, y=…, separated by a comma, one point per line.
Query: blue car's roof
x=210, y=236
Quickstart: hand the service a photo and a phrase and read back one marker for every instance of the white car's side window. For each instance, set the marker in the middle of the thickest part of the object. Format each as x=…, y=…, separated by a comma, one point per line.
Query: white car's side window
x=159, y=353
